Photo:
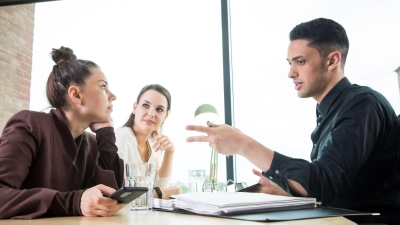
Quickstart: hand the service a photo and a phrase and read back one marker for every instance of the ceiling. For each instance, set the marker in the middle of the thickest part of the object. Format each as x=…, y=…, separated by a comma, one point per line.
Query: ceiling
x=17, y=2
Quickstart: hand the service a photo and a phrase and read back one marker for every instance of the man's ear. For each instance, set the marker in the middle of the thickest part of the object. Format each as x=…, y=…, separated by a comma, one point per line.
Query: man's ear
x=75, y=95
x=333, y=60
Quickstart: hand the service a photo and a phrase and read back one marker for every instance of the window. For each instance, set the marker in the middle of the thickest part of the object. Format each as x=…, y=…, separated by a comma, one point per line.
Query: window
x=177, y=44
x=173, y=43
x=266, y=104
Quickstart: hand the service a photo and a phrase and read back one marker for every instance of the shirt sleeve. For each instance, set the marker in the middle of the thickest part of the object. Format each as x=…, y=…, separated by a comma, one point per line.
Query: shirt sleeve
x=275, y=174
x=108, y=156
x=341, y=153
x=17, y=151
x=162, y=182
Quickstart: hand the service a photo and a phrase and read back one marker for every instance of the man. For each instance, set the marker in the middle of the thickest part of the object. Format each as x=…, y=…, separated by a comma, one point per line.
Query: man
x=355, y=153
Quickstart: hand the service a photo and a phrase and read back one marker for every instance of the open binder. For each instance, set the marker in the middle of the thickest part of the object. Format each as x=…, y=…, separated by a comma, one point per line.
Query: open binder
x=229, y=203
x=251, y=206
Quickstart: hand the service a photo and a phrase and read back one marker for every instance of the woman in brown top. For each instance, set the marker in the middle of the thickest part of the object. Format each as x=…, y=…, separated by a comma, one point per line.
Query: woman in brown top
x=49, y=165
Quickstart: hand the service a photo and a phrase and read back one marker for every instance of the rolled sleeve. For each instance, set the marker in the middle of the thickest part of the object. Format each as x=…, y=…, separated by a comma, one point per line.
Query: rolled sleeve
x=284, y=167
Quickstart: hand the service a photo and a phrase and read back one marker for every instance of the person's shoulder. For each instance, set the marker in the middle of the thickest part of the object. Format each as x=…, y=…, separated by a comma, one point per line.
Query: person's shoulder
x=356, y=90
x=124, y=135
x=32, y=121
x=122, y=131
x=360, y=88
x=26, y=115
x=365, y=95
x=30, y=112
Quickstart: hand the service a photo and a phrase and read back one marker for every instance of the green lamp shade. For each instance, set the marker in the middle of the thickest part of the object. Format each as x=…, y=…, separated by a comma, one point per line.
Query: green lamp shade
x=206, y=112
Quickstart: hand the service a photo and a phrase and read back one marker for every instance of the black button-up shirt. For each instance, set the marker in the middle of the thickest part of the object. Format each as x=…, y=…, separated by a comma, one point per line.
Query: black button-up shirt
x=355, y=153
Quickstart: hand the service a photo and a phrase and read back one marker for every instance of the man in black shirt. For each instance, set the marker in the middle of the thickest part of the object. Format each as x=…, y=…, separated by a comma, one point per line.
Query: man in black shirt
x=356, y=145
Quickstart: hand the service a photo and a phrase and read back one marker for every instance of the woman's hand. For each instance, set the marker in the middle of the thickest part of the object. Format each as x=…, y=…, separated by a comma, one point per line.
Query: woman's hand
x=95, y=126
x=93, y=202
x=161, y=142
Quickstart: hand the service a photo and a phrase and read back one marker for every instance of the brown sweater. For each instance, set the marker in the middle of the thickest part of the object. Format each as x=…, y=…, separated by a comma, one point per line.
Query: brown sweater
x=44, y=171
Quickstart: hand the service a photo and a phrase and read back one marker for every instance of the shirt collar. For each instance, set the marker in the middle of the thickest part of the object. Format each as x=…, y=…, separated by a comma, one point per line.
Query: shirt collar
x=332, y=95
x=70, y=146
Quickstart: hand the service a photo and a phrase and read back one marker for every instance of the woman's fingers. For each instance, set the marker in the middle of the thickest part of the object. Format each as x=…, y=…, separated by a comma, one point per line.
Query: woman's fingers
x=162, y=143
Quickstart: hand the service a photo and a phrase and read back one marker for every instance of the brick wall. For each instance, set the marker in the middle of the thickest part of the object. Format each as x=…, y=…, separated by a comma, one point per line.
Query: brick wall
x=16, y=44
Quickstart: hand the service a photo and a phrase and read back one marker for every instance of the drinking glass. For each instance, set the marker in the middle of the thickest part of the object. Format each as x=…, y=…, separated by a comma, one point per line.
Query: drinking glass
x=196, y=179
x=141, y=175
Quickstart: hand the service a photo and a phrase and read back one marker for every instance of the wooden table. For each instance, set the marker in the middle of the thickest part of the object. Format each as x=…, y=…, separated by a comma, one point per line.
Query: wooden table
x=163, y=218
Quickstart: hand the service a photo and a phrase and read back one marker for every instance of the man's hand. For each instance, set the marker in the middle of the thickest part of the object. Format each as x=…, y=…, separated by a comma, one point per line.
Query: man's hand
x=167, y=192
x=267, y=186
x=93, y=203
x=225, y=139
x=229, y=140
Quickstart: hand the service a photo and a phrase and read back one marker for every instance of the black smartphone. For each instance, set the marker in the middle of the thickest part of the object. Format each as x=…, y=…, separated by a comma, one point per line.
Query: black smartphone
x=128, y=194
x=252, y=188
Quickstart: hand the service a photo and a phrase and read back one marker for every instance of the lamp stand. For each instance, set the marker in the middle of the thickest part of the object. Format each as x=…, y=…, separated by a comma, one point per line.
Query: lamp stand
x=214, y=170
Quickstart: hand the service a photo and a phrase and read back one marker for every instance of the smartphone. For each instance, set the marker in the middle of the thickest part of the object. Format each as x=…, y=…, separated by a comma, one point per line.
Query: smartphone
x=252, y=188
x=128, y=194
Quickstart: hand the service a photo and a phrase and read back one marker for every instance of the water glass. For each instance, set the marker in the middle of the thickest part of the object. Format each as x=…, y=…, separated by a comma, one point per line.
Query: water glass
x=141, y=175
x=196, y=179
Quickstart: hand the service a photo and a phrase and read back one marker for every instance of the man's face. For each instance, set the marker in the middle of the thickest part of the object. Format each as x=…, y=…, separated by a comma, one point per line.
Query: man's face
x=307, y=70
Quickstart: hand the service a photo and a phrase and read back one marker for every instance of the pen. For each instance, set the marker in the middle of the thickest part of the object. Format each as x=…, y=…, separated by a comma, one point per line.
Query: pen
x=209, y=124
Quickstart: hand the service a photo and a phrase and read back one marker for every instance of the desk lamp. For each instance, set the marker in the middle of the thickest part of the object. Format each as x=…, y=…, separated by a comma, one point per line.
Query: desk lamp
x=207, y=113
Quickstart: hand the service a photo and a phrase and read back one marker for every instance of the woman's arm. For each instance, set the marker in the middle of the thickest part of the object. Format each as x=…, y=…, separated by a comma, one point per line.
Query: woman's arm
x=163, y=143
x=108, y=157
x=19, y=171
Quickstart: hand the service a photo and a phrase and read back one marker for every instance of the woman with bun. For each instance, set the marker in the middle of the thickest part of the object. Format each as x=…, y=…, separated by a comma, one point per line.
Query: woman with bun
x=49, y=165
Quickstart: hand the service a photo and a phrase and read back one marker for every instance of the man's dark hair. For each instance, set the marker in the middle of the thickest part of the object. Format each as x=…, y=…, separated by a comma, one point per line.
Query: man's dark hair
x=325, y=35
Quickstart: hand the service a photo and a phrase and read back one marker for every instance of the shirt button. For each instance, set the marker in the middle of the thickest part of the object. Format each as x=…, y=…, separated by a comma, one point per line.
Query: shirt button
x=270, y=177
x=315, y=145
x=277, y=171
x=319, y=124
